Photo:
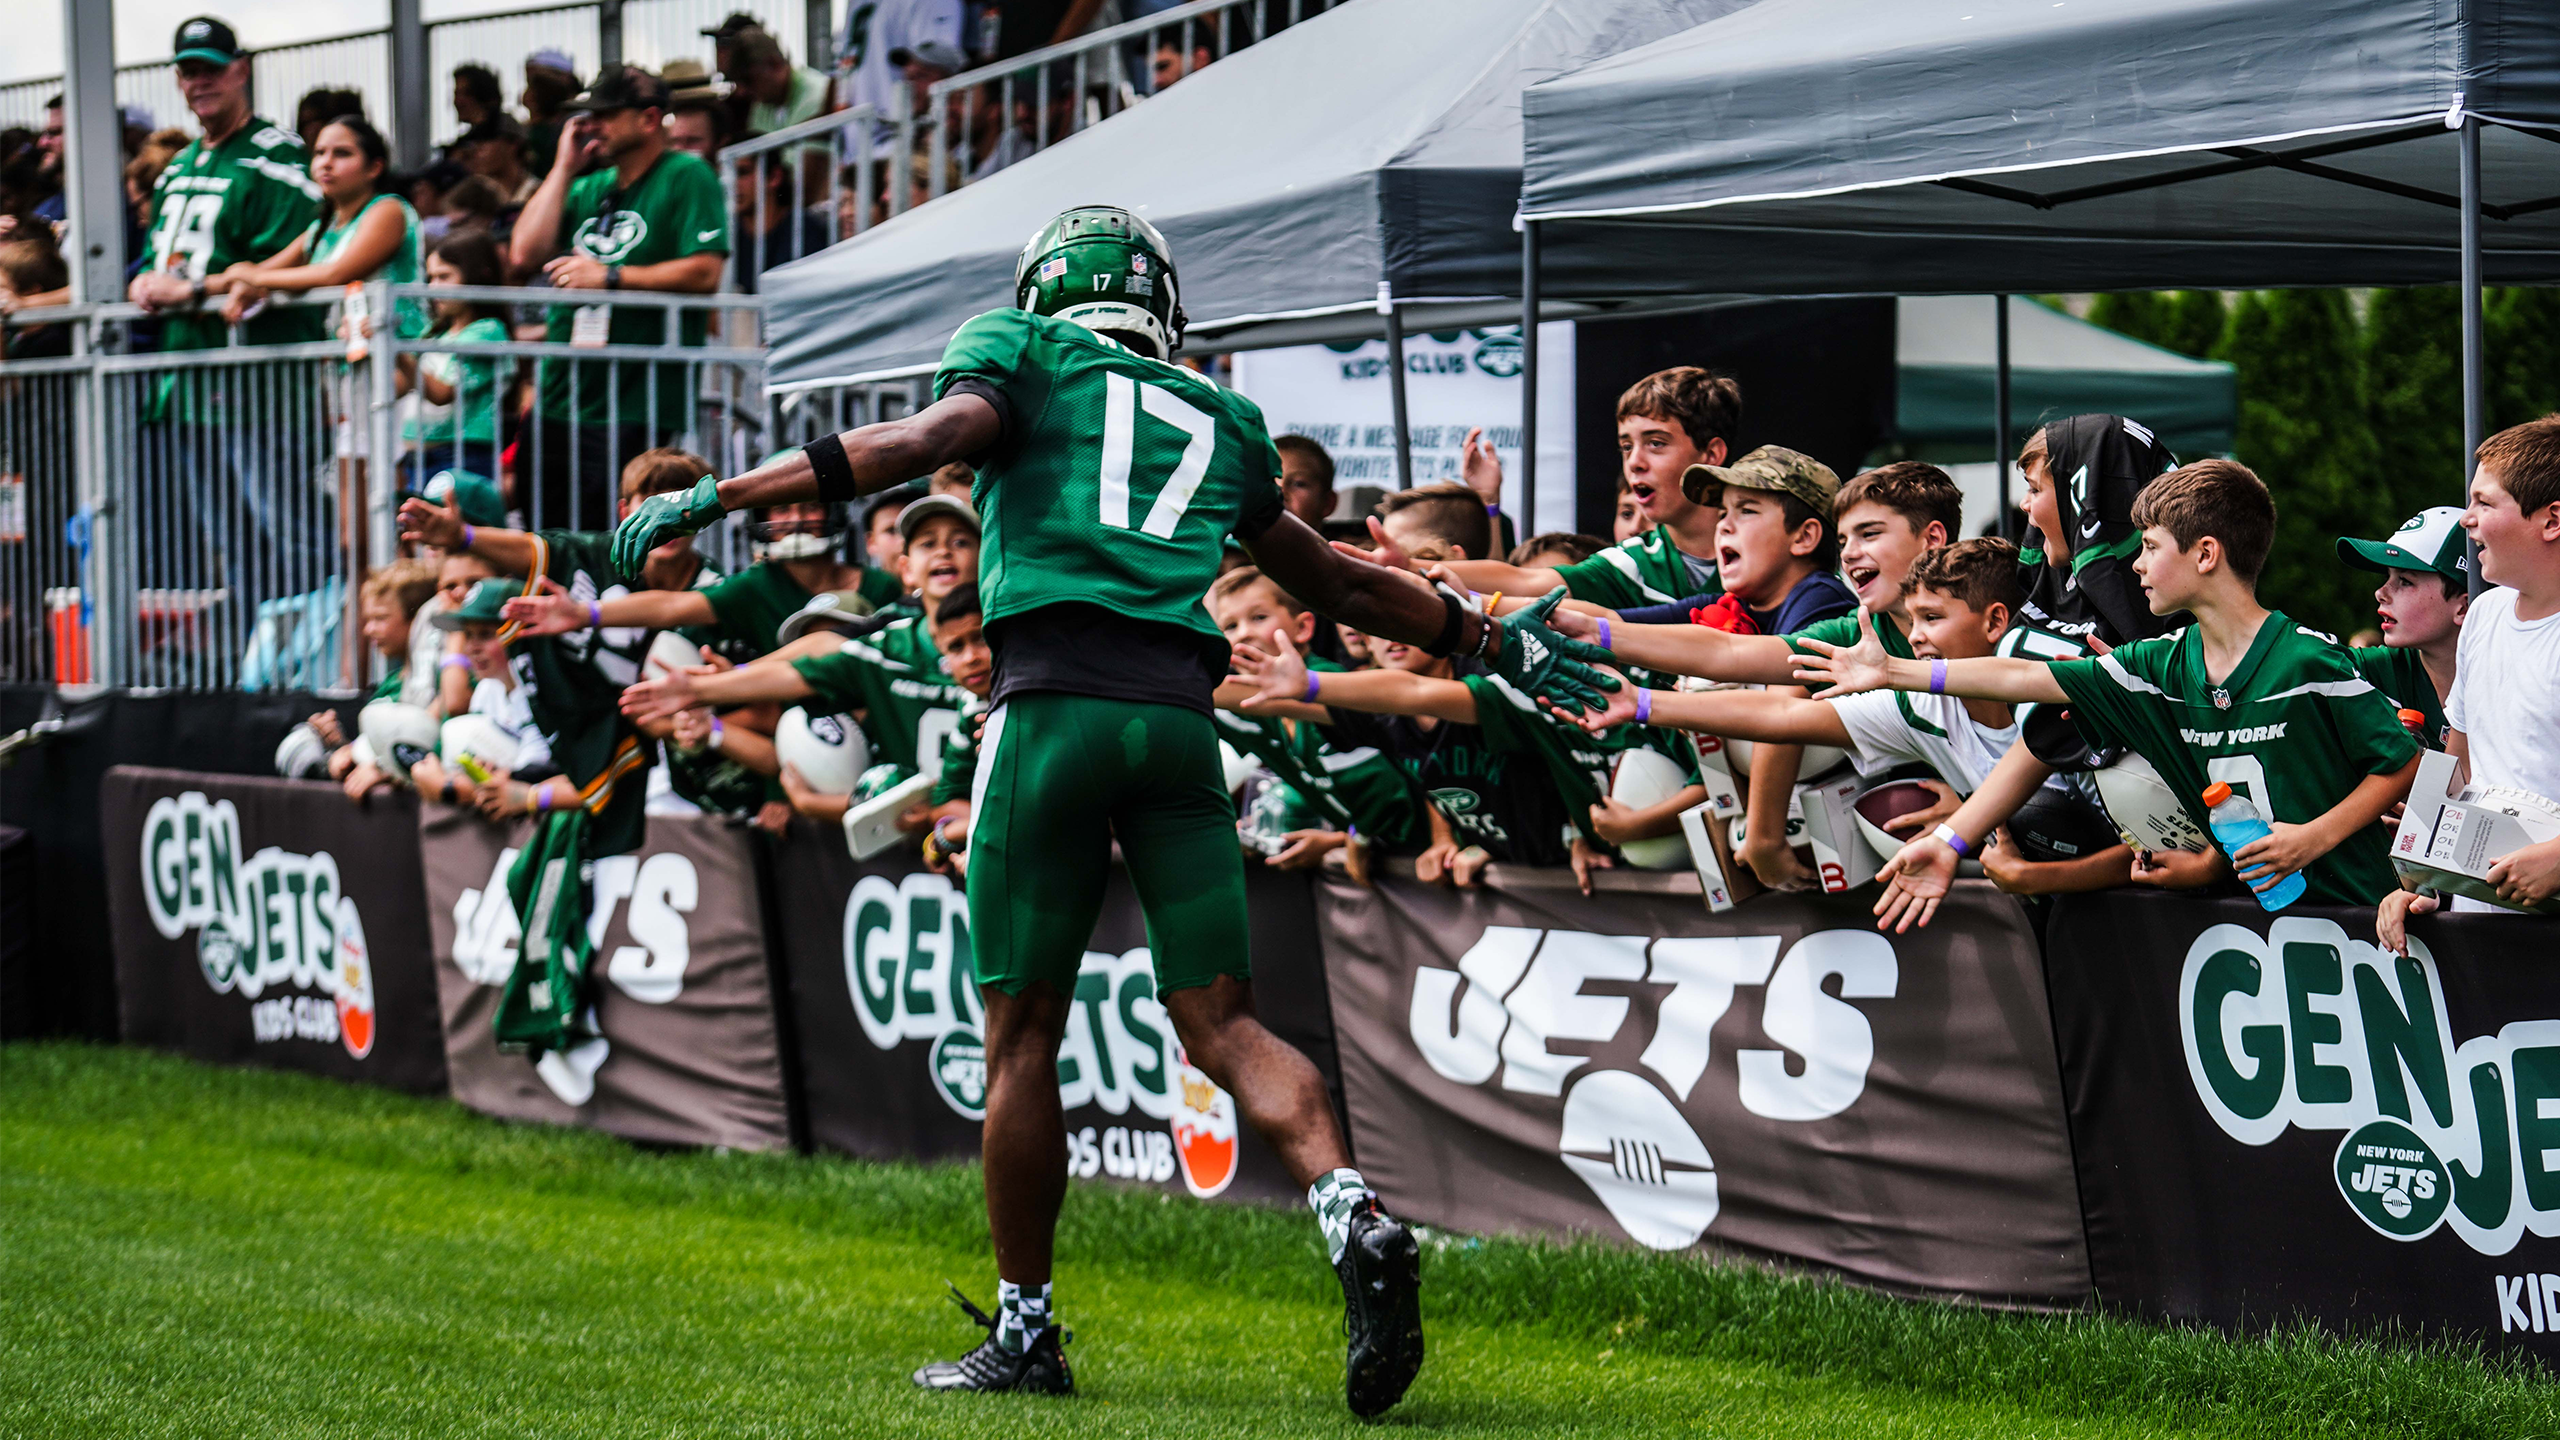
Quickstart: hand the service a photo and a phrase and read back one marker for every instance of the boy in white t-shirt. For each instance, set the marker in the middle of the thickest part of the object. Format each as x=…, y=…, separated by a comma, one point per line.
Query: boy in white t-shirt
x=1960, y=600
x=2504, y=708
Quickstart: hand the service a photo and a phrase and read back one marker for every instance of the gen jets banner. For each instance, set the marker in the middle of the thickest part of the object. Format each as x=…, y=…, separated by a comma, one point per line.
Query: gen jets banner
x=690, y=1053
x=272, y=923
x=889, y=1026
x=1780, y=1079
x=2275, y=1115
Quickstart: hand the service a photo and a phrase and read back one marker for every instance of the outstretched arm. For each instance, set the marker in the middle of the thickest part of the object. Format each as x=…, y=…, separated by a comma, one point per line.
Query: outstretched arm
x=683, y=689
x=1852, y=669
x=1374, y=598
x=1760, y=716
x=1283, y=682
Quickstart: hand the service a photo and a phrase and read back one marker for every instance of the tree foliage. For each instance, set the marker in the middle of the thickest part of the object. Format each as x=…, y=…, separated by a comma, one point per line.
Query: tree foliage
x=2304, y=429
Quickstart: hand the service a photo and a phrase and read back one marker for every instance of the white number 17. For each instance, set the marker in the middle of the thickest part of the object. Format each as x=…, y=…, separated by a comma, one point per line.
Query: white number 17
x=1122, y=398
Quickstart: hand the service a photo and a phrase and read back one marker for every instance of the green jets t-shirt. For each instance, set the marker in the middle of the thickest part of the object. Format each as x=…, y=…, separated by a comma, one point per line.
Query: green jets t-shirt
x=894, y=676
x=1843, y=630
x=215, y=207
x=675, y=209
x=1645, y=570
x=751, y=606
x=1576, y=760
x=879, y=587
x=575, y=683
x=2403, y=680
x=2293, y=728
x=582, y=561
x=1353, y=787
x=1118, y=480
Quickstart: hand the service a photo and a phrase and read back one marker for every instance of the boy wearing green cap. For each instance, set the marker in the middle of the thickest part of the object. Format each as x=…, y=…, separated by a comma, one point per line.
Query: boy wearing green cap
x=2420, y=606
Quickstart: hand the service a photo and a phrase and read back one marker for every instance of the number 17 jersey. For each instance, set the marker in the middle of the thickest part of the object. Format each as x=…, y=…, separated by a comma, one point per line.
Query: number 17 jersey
x=1118, y=478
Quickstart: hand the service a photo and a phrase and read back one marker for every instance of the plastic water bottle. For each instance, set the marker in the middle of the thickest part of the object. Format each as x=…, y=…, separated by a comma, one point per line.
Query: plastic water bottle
x=2236, y=823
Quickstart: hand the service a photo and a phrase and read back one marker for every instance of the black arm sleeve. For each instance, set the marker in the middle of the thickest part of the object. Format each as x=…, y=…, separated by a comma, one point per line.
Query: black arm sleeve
x=987, y=391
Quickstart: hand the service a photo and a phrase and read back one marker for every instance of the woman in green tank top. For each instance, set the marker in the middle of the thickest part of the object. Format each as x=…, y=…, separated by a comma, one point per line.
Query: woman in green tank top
x=359, y=234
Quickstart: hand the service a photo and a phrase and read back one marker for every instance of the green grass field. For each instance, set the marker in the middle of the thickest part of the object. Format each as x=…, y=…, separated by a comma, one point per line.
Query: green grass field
x=193, y=1251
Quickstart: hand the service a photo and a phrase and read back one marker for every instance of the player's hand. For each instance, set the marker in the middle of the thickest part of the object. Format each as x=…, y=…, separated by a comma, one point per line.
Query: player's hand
x=1917, y=877
x=2391, y=920
x=2529, y=876
x=662, y=518
x=1480, y=467
x=1586, y=858
x=1307, y=849
x=1619, y=708
x=2267, y=860
x=424, y=522
x=1538, y=661
x=1920, y=822
x=1277, y=674
x=660, y=698
x=2178, y=869
x=1845, y=669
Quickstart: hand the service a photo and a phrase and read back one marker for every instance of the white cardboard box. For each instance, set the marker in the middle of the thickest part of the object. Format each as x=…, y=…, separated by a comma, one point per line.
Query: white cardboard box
x=1841, y=855
x=872, y=826
x=2450, y=835
x=1712, y=881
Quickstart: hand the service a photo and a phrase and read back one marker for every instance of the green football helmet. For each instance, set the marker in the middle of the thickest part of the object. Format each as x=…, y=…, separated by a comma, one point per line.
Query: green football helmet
x=1104, y=269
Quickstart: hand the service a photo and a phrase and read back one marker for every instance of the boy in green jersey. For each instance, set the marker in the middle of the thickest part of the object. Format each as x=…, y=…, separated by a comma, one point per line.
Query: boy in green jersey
x=2243, y=696
x=1109, y=480
x=1348, y=796
x=2420, y=605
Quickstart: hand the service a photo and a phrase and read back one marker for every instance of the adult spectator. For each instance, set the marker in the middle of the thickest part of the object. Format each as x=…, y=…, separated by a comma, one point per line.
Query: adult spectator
x=477, y=100
x=1173, y=62
x=879, y=39
x=699, y=131
x=698, y=119
x=361, y=233
x=32, y=275
x=494, y=150
x=49, y=168
x=780, y=94
x=550, y=80
x=320, y=106
x=618, y=210
x=238, y=193
x=773, y=228
x=724, y=42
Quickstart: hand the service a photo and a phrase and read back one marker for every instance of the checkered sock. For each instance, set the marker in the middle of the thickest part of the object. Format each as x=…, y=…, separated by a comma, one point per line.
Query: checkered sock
x=1022, y=1312
x=1333, y=1198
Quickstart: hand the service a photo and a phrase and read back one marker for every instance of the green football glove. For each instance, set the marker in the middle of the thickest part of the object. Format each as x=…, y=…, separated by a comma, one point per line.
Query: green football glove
x=1540, y=661
x=662, y=518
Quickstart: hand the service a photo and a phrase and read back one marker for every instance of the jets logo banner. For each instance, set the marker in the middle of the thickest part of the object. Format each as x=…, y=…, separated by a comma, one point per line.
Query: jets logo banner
x=890, y=1031
x=689, y=1053
x=1779, y=1080
x=269, y=922
x=2276, y=1116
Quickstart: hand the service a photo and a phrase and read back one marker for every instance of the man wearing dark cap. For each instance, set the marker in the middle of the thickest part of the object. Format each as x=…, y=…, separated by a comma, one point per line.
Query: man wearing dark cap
x=239, y=192
x=619, y=210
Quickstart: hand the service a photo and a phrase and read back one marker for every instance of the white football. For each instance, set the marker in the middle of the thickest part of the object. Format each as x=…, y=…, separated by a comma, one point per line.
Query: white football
x=2146, y=811
x=301, y=755
x=829, y=751
x=669, y=652
x=1887, y=802
x=481, y=738
x=1645, y=778
x=400, y=734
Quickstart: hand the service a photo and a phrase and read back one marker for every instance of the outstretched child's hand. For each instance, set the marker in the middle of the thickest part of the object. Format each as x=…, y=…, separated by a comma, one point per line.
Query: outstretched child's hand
x=1387, y=554
x=652, y=700
x=553, y=612
x=1915, y=880
x=1279, y=673
x=1846, y=669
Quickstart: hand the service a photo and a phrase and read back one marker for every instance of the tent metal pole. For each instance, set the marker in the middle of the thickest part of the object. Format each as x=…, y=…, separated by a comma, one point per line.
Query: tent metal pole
x=2000, y=407
x=1527, y=521
x=2475, y=420
x=1395, y=383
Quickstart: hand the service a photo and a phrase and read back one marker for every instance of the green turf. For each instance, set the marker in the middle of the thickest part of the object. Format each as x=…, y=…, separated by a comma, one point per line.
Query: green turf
x=190, y=1251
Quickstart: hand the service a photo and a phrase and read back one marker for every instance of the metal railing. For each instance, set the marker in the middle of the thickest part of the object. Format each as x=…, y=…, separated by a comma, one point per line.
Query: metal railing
x=204, y=518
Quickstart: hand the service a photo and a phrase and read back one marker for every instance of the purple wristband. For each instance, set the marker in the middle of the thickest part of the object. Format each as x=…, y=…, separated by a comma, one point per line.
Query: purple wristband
x=1937, y=677
x=715, y=732
x=1315, y=679
x=1947, y=836
x=451, y=661
x=466, y=537
x=1644, y=707
x=595, y=619
x=1604, y=634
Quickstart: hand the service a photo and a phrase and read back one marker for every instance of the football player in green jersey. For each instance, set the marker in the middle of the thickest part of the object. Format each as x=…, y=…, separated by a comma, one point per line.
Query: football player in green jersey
x=1109, y=480
x=2243, y=696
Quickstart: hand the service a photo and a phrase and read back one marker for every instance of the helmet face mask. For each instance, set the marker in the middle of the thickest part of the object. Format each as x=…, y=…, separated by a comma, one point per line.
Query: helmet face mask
x=793, y=540
x=1107, y=270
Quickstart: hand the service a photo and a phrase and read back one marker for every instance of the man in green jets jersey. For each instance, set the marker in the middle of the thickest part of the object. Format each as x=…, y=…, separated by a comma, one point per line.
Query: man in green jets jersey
x=1108, y=481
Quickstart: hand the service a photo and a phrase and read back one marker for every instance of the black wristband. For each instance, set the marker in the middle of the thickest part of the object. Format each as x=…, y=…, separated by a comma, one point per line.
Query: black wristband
x=834, y=472
x=1447, y=641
